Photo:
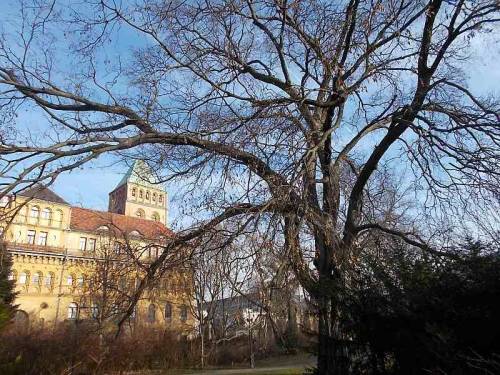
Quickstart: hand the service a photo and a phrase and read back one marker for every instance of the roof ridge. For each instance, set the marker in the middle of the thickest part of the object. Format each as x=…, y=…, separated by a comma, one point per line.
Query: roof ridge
x=122, y=215
x=42, y=192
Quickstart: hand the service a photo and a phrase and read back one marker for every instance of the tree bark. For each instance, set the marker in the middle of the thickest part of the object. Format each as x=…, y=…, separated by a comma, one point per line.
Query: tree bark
x=333, y=353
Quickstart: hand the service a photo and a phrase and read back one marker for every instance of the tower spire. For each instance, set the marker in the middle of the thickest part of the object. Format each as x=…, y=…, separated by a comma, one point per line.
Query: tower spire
x=139, y=194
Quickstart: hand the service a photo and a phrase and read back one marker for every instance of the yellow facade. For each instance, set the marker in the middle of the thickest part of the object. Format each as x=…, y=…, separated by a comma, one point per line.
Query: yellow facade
x=54, y=262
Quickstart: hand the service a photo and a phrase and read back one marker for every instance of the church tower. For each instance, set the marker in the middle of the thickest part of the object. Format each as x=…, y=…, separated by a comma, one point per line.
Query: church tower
x=139, y=194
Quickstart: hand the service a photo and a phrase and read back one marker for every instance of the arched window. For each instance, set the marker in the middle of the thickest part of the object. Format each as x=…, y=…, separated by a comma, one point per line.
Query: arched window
x=155, y=216
x=140, y=213
x=168, y=311
x=47, y=214
x=135, y=233
x=37, y=278
x=49, y=280
x=140, y=193
x=151, y=313
x=35, y=212
x=160, y=198
x=72, y=310
x=69, y=280
x=183, y=313
x=24, y=278
x=147, y=195
x=154, y=197
x=134, y=192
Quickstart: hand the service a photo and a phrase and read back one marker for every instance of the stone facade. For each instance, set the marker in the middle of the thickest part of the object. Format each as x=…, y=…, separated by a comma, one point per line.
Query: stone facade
x=137, y=196
x=64, y=257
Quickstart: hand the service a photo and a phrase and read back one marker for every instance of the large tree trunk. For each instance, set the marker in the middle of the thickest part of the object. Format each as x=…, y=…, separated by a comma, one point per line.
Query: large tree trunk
x=333, y=355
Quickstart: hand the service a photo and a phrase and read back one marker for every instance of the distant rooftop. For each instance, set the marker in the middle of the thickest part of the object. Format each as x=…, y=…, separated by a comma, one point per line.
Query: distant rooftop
x=43, y=193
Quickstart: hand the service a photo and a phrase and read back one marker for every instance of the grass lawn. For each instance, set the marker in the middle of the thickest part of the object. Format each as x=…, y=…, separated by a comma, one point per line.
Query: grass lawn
x=283, y=365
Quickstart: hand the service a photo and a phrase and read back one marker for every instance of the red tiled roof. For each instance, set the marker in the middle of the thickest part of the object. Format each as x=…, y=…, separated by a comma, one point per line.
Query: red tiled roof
x=87, y=220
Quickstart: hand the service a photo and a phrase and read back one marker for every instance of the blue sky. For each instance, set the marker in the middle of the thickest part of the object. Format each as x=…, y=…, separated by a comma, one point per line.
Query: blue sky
x=90, y=185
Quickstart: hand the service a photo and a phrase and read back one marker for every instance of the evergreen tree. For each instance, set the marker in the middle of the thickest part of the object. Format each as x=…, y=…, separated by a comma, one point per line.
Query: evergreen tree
x=7, y=294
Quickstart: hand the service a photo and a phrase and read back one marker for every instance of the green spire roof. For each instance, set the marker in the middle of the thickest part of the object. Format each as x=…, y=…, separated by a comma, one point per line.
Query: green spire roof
x=141, y=174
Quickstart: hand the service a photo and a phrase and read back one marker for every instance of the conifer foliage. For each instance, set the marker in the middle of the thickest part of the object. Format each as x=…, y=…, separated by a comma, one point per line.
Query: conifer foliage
x=7, y=294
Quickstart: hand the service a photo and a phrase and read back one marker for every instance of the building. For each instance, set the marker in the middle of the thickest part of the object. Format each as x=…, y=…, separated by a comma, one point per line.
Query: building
x=266, y=313
x=73, y=264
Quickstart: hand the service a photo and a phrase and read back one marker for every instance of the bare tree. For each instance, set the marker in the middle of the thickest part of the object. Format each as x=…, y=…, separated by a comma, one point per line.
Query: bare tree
x=275, y=114
x=207, y=288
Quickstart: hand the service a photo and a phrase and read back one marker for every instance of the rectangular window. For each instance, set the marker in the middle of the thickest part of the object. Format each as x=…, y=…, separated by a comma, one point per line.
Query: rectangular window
x=79, y=281
x=184, y=313
x=42, y=239
x=83, y=243
x=117, y=247
x=31, y=237
x=153, y=252
x=72, y=311
x=91, y=244
x=94, y=311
